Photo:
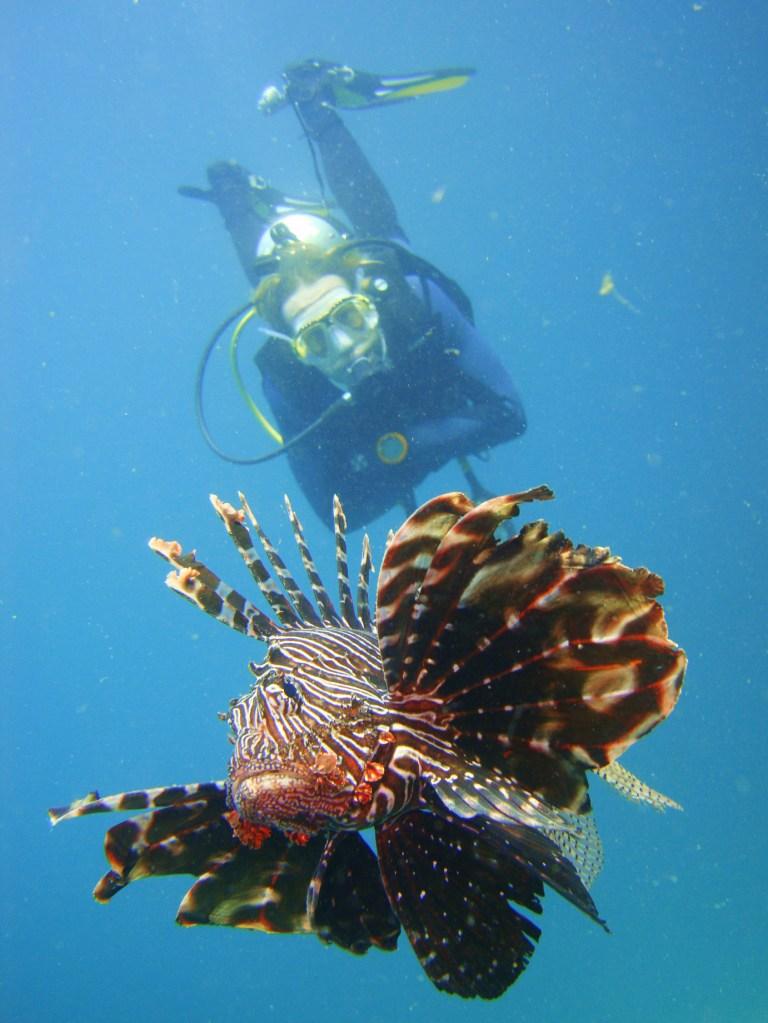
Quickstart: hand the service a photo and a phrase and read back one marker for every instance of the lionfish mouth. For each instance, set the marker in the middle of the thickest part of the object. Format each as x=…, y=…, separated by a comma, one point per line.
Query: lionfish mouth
x=283, y=798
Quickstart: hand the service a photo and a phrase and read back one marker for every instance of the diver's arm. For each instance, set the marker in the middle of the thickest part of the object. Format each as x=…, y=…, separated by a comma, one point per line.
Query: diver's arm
x=353, y=181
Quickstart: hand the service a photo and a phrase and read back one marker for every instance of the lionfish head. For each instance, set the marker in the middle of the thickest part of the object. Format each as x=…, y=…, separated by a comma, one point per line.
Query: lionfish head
x=305, y=730
x=308, y=727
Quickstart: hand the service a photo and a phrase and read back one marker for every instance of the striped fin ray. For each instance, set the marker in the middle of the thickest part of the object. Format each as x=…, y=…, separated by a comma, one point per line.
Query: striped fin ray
x=543, y=658
x=198, y=584
x=328, y=612
x=406, y=560
x=294, y=609
x=346, y=603
x=364, y=574
x=211, y=793
x=452, y=568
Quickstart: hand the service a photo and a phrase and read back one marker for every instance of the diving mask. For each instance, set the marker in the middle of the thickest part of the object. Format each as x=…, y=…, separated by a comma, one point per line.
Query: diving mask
x=345, y=343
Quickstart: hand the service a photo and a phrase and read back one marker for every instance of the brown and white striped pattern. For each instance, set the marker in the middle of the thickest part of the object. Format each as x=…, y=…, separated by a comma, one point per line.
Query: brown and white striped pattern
x=501, y=672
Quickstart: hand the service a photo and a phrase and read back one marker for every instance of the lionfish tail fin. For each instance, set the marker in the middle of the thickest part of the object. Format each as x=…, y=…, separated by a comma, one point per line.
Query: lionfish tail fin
x=542, y=659
x=634, y=788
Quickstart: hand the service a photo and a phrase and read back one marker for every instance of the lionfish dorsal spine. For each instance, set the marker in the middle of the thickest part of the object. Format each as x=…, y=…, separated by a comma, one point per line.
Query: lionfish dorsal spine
x=363, y=577
x=346, y=603
x=302, y=610
x=328, y=613
x=234, y=522
x=197, y=583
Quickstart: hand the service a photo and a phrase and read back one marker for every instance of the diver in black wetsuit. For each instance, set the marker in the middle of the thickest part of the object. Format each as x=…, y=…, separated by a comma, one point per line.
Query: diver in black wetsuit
x=374, y=370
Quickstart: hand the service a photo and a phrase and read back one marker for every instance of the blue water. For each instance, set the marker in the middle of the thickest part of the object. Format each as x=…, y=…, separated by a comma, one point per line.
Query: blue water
x=596, y=137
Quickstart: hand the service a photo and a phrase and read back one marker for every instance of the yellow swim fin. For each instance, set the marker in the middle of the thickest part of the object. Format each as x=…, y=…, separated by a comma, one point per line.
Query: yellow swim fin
x=395, y=88
x=344, y=87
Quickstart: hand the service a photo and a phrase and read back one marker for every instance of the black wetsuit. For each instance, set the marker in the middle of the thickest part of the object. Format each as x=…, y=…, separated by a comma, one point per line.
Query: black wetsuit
x=446, y=392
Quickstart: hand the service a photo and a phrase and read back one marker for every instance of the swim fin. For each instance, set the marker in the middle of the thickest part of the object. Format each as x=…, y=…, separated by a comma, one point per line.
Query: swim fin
x=348, y=89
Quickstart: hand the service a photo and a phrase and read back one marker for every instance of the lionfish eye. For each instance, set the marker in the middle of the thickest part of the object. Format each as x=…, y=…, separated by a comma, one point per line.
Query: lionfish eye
x=291, y=689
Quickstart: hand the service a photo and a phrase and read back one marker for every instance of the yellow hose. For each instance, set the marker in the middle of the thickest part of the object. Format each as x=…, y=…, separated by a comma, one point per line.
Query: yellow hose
x=255, y=410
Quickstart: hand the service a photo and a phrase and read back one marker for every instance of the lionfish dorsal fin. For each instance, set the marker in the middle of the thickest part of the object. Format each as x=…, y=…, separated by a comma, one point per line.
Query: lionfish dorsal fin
x=290, y=604
x=366, y=567
x=197, y=583
x=328, y=612
x=346, y=603
x=407, y=557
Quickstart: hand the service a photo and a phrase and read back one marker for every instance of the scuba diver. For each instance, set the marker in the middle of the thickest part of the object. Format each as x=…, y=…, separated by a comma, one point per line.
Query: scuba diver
x=372, y=366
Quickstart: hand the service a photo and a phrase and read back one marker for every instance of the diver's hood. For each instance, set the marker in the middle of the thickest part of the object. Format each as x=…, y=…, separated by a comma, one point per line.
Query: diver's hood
x=306, y=228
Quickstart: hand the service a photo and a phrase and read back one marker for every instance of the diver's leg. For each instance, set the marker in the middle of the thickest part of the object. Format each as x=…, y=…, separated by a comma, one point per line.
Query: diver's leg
x=352, y=180
x=232, y=190
x=244, y=203
x=477, y=491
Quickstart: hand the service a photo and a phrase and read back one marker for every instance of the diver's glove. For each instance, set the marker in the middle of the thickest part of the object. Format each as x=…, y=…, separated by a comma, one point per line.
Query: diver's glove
x=338, y=85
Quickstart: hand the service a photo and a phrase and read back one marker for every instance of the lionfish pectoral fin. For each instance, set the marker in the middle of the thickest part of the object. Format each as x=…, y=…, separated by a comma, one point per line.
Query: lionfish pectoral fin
x=211, y=792
x=407, y=557
x=452, y=891
x=541, y=855
x=262, y=889
x=563, y=849
x=78, y=808
x=475, y=791
x=180, y=840
x=426, y=567
x=634, y=788
x=543, y=659
x=346, y=901
x=185, y=829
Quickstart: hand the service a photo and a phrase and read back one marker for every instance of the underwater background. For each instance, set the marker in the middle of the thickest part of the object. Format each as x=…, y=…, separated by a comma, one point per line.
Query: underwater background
x=597, y=138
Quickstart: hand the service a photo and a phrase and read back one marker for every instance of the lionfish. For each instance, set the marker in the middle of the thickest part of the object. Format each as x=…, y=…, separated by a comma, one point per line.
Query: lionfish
x=461, y=724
